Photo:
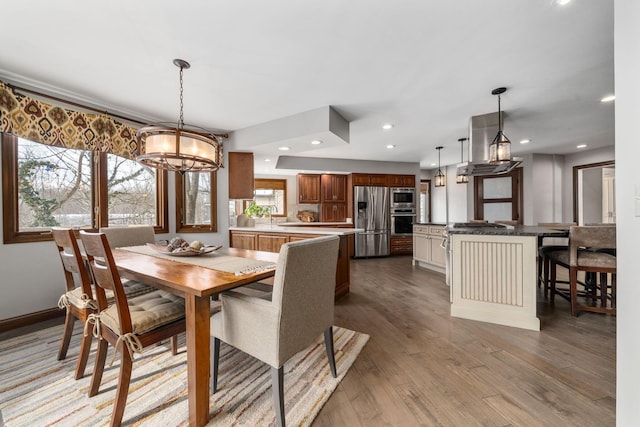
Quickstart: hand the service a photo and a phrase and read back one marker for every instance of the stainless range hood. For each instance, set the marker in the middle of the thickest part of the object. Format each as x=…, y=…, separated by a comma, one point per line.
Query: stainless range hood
x=482, y=130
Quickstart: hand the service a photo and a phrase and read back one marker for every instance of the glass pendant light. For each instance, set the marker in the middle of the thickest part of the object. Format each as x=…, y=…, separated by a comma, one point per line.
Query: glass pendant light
x=462, y=178
x=500, y=148
x=440, y=179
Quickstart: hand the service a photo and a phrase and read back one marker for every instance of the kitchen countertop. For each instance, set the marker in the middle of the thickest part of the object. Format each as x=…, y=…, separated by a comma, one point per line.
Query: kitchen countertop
x=429, y=223
x=300, y=230
x=313, y=224
x=516, y=230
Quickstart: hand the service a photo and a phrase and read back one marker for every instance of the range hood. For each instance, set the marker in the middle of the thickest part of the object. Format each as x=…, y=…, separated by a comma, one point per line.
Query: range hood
x=482, y=130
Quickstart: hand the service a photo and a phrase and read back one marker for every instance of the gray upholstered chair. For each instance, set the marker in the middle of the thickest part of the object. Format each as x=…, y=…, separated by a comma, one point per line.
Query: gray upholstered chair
x=134, y=235
x=300, y=309
x=589, y=251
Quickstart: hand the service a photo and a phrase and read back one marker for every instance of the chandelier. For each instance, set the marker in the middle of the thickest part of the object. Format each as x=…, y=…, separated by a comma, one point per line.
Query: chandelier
x=500, y=148
x=440, y=179
x=462, y=178
x=179, y=148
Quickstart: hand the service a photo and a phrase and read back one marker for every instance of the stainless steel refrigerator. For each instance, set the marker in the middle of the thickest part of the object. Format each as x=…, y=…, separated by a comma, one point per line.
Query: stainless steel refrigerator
x=371, y=213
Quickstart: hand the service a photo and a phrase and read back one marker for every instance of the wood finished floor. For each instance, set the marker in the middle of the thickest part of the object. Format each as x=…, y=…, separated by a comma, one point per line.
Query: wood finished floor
x=422, y=367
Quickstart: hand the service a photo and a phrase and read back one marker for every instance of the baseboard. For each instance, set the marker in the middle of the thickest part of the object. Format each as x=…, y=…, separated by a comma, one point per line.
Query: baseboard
x=30, y=319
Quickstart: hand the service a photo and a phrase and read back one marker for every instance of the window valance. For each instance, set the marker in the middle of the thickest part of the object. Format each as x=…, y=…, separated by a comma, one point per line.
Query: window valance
x=38, y=121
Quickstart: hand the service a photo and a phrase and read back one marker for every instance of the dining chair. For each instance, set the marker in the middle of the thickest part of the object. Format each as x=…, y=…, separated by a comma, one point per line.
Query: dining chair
x=588, y=252
x=129, y=324
x=78, y=297
x=134, y=235
x=299, y=309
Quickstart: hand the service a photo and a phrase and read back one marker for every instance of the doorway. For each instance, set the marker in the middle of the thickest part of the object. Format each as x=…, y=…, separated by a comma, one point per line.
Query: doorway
x=594, y=199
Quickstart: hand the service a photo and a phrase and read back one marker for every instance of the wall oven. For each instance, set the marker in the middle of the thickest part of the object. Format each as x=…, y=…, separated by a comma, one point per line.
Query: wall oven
x=402, y=198
x=402, y=224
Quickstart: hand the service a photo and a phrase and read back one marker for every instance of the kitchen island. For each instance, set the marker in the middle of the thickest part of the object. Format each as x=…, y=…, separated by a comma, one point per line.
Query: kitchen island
x=493, y=273
x=271, y=238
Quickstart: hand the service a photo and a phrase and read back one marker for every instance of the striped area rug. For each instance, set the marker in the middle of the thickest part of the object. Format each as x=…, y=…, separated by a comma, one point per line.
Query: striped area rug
x=38, y=390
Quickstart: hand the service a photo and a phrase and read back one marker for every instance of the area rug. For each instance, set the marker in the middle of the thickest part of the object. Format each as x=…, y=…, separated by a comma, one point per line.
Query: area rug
x=38, y=390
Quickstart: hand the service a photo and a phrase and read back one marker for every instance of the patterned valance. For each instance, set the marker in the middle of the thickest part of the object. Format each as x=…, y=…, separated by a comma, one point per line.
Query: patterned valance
x=38, y=121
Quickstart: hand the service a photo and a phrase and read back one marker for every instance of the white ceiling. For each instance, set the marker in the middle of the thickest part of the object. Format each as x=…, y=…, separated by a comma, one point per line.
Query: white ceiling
x=426, y=66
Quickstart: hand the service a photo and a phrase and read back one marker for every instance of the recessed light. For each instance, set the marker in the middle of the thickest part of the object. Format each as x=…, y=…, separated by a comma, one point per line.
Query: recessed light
x=391, y=146
x=581, y=146
x=562, y=2
x=284, y=148
x=525, y=141
x=267, y=160
x=316, y=142
x=433, y=164
x=608, y=98
x=387, y=126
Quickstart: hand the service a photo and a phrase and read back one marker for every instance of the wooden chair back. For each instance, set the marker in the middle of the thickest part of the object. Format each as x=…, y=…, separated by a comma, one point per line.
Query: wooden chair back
x=106, y=276
x=72, y=261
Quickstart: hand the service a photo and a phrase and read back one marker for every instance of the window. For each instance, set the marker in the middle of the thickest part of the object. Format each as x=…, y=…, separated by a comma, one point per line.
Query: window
x=499, y=197
x=196, y=202
x=271, y=193
x=45, y=186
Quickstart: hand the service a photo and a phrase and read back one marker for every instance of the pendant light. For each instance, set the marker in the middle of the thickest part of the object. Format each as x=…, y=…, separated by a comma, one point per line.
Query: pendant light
x=500, y=148
x=440, y=179
x=462, y=178
x=178, y=148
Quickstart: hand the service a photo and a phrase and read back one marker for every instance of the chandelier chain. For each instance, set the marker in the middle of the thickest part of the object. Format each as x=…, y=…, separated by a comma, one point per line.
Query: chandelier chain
x=181, y=123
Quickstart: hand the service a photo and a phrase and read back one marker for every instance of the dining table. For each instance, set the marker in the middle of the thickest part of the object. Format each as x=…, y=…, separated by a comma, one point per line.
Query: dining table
x=197, y=279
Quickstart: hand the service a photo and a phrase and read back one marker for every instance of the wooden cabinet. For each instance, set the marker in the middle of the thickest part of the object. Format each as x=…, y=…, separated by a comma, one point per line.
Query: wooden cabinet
x=270, y=242
x=427, y=246
x=402, y=180
x=401, y=245
x=333, y=212
x=308, y=188
x=334, y=188
x=240, y=166
x=376, y=180
x=242, y=240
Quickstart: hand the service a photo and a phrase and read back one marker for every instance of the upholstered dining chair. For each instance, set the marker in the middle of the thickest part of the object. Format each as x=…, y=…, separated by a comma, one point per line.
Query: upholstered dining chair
x=589, y=252
x=129, y=324
x=134, y=235
x=78, y=297
x=299, y=310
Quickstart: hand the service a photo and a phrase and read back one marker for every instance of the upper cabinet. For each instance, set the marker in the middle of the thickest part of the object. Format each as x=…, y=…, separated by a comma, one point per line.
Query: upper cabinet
x=240, y=167
x=375, y=180
x=308, y=188
x=402, y=180
x=334, y=188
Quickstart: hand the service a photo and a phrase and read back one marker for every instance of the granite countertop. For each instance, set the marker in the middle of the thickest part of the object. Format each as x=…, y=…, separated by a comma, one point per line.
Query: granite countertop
x=300, y=230
x=516, y=230
x=430, y=223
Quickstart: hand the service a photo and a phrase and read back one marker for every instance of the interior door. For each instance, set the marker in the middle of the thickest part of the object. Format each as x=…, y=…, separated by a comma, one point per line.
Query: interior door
x=608, y=196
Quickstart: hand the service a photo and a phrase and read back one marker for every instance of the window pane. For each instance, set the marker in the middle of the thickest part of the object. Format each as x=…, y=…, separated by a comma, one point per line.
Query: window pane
x=54, y=186
x=274, y=199
x=131, y=192
x=197, y=198
x=497, y=188
x=497, y=211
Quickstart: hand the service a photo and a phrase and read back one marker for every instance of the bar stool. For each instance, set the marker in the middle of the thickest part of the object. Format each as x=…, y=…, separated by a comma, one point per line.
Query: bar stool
x=589, y=251
x=545, y=250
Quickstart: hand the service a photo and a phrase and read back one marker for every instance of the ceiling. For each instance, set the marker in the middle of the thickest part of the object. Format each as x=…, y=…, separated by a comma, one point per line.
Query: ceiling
x=425, y=66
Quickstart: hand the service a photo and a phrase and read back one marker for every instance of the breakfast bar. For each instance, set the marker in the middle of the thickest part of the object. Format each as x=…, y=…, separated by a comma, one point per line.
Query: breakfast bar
x=493, y=273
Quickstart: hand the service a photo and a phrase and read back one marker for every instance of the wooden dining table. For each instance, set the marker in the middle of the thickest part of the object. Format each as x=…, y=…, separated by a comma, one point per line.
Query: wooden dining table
x=197, y=285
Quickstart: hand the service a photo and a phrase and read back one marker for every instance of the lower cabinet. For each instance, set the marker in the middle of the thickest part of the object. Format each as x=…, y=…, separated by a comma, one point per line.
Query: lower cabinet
x=272, y=241
x=427, y=246
x=401, y=245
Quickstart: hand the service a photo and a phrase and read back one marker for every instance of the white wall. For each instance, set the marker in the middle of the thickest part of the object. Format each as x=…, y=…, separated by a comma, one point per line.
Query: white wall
x=627, y=70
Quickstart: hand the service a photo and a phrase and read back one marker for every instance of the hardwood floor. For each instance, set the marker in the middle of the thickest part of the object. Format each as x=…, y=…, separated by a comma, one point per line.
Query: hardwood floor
x=421, y=367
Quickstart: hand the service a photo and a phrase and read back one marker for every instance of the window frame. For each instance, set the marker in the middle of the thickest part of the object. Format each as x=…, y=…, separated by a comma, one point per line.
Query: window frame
x=181, y=227
x=269, y=184
x=516, y=198
x=99, y=195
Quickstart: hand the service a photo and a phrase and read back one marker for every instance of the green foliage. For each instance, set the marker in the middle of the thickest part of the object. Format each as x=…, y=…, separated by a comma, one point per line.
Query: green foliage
x=43, y=208
x=256, y=210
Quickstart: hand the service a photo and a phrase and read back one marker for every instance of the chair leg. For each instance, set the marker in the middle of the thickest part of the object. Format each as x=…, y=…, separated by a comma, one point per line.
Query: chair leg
x=603, y=290
x=98, y=370
x=540, y=261
x=174, y=345
x=122, y=392
x=215, y=358
x=552, y=280
x=546, y=261
x=573, y=280
x=328, y=343
x=66, y=335
x=613, y=290
x=277, y=379
x=83, y=357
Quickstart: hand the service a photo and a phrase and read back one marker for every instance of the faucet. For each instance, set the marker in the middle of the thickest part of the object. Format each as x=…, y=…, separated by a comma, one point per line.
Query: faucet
x=271, y=210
